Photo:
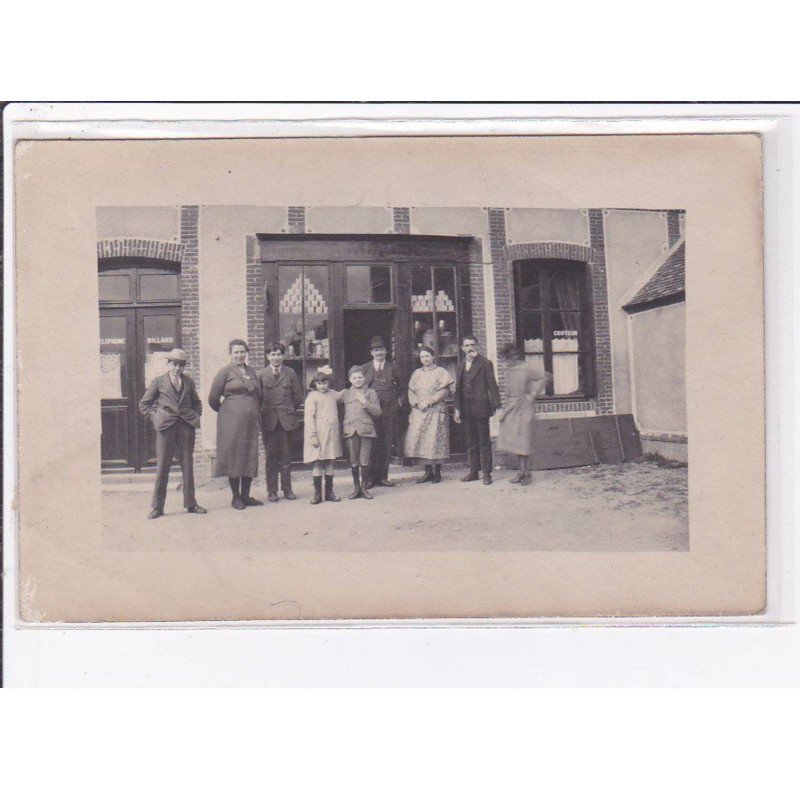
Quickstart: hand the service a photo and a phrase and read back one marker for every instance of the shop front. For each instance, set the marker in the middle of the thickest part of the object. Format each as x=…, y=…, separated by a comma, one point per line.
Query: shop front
x=327, y=296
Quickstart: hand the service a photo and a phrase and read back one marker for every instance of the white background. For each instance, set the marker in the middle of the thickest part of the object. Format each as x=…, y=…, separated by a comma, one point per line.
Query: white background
x=633, y=652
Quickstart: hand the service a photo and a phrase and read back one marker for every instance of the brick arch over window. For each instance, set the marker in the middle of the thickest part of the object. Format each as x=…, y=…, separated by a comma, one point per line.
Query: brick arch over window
x=141, y=248
x=184, y=252
x=595, y=259
x=571, y=252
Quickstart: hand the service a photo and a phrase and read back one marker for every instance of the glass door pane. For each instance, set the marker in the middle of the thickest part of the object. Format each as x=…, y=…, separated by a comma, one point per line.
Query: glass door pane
x=114, y=358
x=316, y=298
x=117, y=408
x=303, y=317
x=445, y=305
x=158, y=333
x=368, y=284
x=160, y=336
x=114, y=287
x=422, y=323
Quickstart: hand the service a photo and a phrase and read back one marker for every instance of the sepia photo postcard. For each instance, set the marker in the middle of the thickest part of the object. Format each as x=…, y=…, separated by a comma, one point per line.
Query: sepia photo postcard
x=389, y=378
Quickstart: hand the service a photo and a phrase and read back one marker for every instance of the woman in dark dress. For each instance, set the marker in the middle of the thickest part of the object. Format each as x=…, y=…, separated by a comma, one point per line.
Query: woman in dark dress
x=236, y=397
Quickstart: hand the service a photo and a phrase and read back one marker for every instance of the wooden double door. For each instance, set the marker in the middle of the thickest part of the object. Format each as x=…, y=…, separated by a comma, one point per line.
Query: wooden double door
x=134, y=343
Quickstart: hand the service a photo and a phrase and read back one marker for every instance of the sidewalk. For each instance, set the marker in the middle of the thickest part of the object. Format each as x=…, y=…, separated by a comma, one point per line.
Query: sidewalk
x=626, y=507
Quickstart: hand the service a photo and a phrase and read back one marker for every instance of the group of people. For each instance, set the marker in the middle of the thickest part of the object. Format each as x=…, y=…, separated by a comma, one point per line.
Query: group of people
x=265, y=403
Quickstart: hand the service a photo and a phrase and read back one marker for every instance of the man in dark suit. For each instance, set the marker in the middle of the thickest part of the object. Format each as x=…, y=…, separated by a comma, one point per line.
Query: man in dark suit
x=476, y=399
x=172, y=404
x=281, y=396
x=385, y=379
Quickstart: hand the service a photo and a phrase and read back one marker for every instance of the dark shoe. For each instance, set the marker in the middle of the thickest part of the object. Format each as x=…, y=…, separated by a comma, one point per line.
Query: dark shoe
x=286, y=484
x=251, y=501
x=364, y=491
x=356, y=485
x=155, y=514
x=385, y=482
x=437, y=473
x=329, y=495
x=526, y=479
x=470, y=476
x=427, y=477
x=317, y=491
x=273, y=497
x=487, y=480
x=517, y=478
x=195, y=509
x=238, y=503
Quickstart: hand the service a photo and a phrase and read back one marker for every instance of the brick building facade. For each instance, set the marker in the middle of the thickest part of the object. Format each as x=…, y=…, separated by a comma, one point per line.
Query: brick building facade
x=553, y=280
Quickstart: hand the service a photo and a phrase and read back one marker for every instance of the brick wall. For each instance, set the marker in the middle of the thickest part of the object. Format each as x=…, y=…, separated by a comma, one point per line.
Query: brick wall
x=477, y=301
x=673, y=227
x=401, y=218
x=140, y=248
x=190, y=290
x=602, y=327
x=505, y=322
x=565, y=250
x=296, y=218
x=255, y=302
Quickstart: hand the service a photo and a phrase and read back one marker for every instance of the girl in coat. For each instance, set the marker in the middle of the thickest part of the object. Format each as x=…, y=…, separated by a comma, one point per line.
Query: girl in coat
x=322, y=440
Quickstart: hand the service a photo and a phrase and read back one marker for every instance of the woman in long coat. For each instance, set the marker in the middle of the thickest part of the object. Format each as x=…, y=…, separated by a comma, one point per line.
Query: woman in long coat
x=236, y=397
x=524, y=383
x=428, y=435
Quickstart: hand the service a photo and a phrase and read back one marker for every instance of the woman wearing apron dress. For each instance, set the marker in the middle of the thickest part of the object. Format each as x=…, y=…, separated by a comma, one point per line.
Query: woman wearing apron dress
x=236, y=397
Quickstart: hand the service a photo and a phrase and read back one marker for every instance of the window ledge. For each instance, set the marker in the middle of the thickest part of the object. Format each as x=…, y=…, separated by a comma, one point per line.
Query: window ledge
x=565, y=405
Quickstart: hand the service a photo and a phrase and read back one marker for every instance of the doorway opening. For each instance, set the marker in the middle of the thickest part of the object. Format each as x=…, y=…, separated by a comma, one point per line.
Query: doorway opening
x=360, y=325
x=140, y=322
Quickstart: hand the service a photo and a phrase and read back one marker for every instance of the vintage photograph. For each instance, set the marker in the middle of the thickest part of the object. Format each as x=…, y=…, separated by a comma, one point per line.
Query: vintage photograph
x=390, y=378
x=488, y=378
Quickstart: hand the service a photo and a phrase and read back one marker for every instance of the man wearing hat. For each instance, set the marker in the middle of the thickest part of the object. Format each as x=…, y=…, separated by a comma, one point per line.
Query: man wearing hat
x=385, y=379
x=172, y=404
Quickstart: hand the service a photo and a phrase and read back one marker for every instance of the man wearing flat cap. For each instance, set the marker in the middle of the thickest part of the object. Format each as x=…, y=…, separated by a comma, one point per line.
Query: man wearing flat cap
x=385, y=379
x=172, y=404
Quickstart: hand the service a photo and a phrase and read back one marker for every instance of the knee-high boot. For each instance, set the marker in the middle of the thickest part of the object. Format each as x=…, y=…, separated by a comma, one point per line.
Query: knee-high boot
x=317, y=490
x=356, y=484
x=329, y=495
x=364, y=478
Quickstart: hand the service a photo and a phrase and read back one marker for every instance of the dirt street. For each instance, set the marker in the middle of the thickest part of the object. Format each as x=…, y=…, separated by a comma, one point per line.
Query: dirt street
x=627, y=507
